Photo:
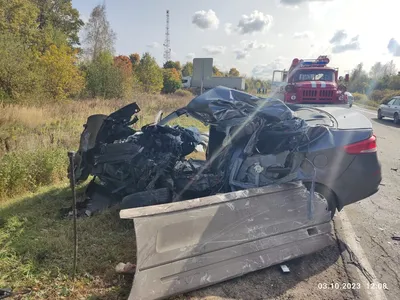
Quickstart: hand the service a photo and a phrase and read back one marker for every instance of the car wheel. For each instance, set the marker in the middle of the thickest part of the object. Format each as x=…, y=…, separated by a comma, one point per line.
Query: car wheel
x=327, y=194
x=396, y=118
x=380, y=117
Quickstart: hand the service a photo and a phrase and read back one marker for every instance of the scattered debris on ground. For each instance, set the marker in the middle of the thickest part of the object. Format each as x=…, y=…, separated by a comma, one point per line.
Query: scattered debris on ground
x=125, y=268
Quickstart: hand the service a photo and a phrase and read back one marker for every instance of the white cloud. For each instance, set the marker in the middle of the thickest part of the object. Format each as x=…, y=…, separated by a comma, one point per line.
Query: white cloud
x=241, y=54
x=220, y=66
x=265, y=71
x=248, y=46
x=153, y=45
x=394, y=47
x=303, y=35
x=214, y=49
x=205, y=19
x=280, y=35
x=338, y=37
x=256, y=22
x=190, y=56
x=339, y=44
x=228, y=28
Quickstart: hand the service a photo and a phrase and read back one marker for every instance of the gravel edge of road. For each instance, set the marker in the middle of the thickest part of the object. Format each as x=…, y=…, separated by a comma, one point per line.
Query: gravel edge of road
x=345, y=237
x=351, y=270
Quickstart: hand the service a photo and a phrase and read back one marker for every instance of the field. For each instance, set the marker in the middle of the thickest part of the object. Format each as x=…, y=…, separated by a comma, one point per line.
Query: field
x=36, y=243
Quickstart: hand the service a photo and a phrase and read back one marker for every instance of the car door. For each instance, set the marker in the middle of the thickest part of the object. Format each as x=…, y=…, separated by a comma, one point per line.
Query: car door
x=387, y=108
x=396, y=106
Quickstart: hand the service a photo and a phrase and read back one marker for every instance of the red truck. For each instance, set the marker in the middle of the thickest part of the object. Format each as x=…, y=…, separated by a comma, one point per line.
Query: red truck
x=310, y=81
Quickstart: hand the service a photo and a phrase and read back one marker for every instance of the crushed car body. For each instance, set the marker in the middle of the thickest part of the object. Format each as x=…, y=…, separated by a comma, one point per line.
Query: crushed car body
x=265, y=193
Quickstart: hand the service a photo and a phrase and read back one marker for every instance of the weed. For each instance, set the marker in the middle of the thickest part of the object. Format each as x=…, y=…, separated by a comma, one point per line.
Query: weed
x=36, y=248
x=34, y=139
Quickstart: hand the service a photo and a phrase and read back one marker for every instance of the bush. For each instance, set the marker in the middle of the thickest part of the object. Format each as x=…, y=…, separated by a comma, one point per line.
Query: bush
x=358, y=97
x=26, y=171
x=183, y=93
x=171, y=81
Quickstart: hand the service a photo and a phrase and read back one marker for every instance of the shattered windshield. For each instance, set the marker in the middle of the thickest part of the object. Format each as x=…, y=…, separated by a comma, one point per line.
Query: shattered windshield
x=314, y=75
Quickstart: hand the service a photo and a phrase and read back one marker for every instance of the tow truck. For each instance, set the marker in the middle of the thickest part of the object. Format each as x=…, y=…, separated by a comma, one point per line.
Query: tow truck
x=310, y=81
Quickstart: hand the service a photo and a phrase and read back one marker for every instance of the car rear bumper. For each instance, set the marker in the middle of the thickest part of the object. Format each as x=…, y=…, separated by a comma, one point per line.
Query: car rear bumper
x=360, y=180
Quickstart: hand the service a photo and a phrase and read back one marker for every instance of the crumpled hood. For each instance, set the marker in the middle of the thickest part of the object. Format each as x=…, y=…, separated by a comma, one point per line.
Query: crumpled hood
x=316, y=84
x=222, y=104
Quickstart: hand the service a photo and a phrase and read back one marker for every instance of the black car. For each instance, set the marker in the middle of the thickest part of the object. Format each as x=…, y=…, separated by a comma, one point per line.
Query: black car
x=251, y=142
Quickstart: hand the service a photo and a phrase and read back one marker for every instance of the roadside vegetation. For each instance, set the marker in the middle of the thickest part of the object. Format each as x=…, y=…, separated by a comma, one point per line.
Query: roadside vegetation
x=50, y=82
x=375, y=87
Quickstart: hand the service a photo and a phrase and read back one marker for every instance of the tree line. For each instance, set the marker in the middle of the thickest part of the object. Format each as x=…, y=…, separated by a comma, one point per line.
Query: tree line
x=42, y=56
x=381, y=82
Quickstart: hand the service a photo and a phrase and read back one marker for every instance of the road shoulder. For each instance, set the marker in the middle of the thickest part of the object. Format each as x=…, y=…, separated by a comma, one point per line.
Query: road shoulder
x=355, y=261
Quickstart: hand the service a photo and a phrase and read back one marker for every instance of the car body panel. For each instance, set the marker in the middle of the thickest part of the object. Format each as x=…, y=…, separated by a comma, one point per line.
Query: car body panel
x=187, y=245
x=391, y=108
x=336, y=169
x=248, y=205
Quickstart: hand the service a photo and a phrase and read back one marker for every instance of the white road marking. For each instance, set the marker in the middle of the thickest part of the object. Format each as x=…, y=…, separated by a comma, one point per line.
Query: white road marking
x=349, y=237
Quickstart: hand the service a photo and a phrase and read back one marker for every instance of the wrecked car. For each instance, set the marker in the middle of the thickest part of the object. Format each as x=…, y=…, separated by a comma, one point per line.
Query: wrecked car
x=272, y=179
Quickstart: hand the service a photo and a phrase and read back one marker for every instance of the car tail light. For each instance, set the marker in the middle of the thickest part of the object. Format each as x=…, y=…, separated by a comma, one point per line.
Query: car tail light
x=366, y=146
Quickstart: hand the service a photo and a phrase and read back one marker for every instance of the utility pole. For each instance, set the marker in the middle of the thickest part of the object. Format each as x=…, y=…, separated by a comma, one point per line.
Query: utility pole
x=167, y=43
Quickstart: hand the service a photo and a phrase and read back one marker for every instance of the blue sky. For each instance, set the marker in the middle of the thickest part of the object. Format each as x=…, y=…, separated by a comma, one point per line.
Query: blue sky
x=257, y=36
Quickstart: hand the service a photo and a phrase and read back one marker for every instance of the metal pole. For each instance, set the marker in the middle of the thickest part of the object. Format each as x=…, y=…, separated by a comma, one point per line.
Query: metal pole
x=71, y=155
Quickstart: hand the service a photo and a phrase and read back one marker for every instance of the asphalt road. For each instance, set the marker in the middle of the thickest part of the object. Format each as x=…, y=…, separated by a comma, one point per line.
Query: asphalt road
x=376, y=219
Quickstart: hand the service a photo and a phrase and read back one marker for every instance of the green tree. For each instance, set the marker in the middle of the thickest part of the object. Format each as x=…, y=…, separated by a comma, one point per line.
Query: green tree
x=178, y=66
x=124, y=65
x=150, y=74
x=171, y=81
x=135, y=60
x=217, y=72
x=233, y=72
x=19, y=75
x=62, y=78
x=359, y=81
x=172, y=65
x=19, y=17
x=187, y=69
x=103, y=79
x=59, y=15
x=99, y=37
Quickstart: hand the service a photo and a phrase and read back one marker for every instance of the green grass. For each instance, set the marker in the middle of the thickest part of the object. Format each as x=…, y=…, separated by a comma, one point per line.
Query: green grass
x=36, y=242
x=34, y=140
x=37, y=249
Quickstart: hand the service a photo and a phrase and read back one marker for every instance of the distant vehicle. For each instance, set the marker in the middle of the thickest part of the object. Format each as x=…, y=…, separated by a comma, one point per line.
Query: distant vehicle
x=237, y=83
x=203, y=79
x=310, y=81
x=390, y=110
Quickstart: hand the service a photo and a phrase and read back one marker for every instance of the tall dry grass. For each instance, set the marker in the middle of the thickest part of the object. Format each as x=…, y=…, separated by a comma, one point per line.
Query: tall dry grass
x=34, y=139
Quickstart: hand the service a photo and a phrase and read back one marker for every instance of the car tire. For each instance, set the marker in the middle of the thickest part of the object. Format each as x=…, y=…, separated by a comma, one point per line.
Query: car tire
x=396, y=118
x=327, y=194
x=380, y=117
